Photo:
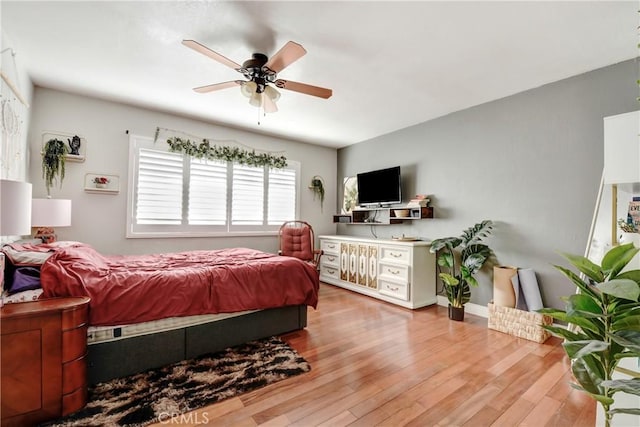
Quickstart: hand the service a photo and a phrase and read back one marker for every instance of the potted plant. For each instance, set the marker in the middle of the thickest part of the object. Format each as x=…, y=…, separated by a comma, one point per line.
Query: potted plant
x=606, y=319
x=53, y=162
x=459, y=259
x=317, y=186
x=101, y=181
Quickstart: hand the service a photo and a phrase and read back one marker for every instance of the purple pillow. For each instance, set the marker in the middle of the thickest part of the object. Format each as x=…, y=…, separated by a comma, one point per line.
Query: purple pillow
x=25, y=279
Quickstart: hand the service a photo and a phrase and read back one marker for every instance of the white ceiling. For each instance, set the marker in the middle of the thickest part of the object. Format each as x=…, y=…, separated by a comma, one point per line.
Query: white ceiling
x=390, y=64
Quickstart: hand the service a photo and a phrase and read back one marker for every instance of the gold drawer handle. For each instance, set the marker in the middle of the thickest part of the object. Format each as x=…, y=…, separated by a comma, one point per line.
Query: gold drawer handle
x=395, y=255
x=331, y=246
x=331, y=272
x=331, y=258
x=394, y=272
x=393, y=289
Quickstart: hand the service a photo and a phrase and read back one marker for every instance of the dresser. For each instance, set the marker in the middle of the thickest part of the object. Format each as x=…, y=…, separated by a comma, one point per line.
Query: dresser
x=43, y=359
x=396, y=271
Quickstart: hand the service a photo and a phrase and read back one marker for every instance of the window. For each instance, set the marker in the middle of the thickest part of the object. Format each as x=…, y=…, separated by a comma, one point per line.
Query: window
x=175, y=195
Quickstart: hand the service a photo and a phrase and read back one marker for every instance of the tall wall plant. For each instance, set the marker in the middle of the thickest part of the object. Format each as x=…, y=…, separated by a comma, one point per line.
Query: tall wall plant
x=53, y=162
x=606, y=317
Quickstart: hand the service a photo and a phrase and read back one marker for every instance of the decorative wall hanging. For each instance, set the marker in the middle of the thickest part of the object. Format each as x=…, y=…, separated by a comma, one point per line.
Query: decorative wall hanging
x=13, y=108
x=206, y=150
x=101, y=183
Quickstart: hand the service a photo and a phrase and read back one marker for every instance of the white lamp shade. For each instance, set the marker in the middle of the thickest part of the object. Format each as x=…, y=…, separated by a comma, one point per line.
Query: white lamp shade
x=249, y=88
x=15, y=208
x=272, y=93
x=51, y=213
x=256, y=99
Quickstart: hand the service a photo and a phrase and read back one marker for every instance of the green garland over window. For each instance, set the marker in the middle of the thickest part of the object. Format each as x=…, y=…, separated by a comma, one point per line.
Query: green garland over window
x=205, y=150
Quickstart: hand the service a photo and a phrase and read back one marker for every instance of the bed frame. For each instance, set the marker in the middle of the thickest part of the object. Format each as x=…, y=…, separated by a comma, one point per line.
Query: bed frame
x=128, y=356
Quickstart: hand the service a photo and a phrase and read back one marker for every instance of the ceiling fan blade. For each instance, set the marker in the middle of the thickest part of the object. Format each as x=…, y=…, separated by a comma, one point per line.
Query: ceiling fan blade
x=268, y=105
x=288, y=54
x=211, y=54
x=217, y=86
x=320, y=92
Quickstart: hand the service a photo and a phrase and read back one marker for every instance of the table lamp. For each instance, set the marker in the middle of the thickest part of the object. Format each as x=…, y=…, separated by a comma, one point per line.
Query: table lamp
x=15, y=215
x=15, y=208
x=49, y=213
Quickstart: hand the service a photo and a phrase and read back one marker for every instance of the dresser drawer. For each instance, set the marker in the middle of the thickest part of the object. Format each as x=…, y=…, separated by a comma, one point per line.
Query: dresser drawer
x=329, y=272
x=394, y=272
x=330, y=246
x=74, y=401
x=395, y=290
x=395, y=254
x=74, y=375
x=330, y=260
x=74, y=343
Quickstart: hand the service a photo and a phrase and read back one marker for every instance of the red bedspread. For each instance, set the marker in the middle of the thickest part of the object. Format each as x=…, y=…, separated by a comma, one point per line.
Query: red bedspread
x=132, y=289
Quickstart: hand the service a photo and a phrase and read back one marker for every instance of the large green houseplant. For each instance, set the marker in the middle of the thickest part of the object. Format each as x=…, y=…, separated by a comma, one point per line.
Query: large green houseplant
x=459, y=259
x=605, y=320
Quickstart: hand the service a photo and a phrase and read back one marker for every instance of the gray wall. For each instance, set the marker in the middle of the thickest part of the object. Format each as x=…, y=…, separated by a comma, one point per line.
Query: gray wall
x=531, y=162
x=100, y=220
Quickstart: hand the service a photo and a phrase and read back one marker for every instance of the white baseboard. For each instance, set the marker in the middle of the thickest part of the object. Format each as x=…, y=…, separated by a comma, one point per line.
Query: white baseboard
x=471, y=308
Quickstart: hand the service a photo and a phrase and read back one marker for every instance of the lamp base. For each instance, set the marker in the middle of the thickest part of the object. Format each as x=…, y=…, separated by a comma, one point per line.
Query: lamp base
x=46, y=234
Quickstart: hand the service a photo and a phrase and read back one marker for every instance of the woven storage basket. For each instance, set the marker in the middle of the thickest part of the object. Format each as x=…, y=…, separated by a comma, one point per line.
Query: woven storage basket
x=519, y=323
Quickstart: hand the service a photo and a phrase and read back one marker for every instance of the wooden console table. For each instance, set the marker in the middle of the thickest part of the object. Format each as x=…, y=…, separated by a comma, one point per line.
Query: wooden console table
x=43, y=359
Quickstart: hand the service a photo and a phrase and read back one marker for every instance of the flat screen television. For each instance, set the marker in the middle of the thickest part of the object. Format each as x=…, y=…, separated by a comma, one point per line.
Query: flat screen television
x=379, y=187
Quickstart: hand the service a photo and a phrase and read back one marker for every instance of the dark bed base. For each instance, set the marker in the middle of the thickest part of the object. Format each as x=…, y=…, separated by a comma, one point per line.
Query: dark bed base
x=128, y=356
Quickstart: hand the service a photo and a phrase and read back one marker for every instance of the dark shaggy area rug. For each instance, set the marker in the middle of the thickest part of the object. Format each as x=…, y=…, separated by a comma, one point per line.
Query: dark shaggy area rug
x=158, y=394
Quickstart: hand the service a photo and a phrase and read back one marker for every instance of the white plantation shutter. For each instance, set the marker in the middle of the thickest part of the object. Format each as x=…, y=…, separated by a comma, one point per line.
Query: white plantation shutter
x=207, y=192
x=159, y=190
x=247, y=200
x=174, y=195
x=282, y=196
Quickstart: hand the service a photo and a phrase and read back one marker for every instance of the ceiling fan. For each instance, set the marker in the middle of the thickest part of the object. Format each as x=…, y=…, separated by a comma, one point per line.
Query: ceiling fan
x=261, y=73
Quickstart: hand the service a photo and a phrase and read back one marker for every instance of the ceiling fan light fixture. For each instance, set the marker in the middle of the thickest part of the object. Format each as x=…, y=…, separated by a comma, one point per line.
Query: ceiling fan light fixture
x=248, y=89
x=272, y=93
x=260, y=72
x=256, y=99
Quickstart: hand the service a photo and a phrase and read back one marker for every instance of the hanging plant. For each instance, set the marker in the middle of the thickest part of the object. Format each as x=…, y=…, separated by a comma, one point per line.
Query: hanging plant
x=205, y=150
x=317, y=186
x=53, y=157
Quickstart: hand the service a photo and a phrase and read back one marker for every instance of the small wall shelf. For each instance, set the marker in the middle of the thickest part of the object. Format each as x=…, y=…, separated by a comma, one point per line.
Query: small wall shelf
x=66, y=137
x=384, y=216
x=111, y=187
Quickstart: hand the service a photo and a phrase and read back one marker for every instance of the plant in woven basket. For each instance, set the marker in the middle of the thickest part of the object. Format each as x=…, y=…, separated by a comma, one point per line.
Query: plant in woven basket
x=53, y=162
x=459, y=259
x=605, y=320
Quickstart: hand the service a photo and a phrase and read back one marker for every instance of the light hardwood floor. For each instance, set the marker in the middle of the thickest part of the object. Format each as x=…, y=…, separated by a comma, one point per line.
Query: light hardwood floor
x=373, y=363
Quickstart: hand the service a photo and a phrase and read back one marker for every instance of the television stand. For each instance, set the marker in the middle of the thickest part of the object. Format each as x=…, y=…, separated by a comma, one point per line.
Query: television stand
x=395, y=271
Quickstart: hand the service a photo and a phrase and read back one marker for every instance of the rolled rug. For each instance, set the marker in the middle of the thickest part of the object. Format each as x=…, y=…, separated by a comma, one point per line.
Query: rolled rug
x=530, y=288
x=503, y=294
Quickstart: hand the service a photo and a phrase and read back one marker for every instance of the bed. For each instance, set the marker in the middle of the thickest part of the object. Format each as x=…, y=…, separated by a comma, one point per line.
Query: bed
x=150, y=310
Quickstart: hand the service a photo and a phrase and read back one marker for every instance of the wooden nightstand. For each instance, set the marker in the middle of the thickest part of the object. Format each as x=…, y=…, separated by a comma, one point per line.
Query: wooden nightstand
x=43, y=359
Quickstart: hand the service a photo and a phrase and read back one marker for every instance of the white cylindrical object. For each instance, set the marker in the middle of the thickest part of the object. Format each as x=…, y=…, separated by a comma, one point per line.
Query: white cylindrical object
x=51, y=213
x=503, y=294
x=15, y=208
